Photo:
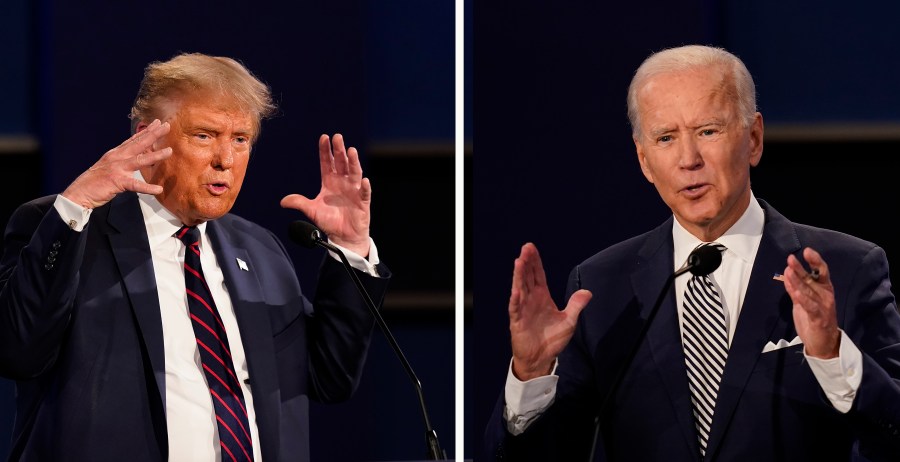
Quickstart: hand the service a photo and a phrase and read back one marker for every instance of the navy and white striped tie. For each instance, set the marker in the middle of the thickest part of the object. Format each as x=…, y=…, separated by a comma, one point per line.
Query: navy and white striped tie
x=705, y=338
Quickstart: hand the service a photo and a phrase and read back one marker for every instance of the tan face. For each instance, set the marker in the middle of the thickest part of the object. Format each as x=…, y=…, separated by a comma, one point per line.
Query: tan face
x=210, y=140
x=694, y=149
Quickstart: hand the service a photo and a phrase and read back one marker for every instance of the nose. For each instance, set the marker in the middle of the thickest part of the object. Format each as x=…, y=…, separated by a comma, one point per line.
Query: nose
x=689, y=156
x=223, y=156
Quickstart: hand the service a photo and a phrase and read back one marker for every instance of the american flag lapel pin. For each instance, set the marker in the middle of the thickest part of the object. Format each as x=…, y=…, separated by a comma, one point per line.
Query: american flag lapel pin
x=242, y=265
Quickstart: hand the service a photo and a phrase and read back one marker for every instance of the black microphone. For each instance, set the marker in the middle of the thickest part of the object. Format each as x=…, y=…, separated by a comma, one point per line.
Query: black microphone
x=307, y=235
x=702, y=261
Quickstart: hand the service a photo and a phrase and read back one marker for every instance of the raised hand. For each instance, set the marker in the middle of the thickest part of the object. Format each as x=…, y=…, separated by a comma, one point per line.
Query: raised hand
x=114, y=172
x=815, y=316
x=539, y=330
x=341, y=209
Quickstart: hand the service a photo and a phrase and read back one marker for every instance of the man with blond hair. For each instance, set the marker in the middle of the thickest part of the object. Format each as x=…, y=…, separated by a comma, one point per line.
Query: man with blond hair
x=144, y=322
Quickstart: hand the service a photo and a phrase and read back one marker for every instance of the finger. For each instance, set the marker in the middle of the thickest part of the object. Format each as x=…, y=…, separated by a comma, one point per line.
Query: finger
x=145, y=188
x=577, y=302
x=144, y=159
x=801, y=291
x=326, y=161
x=296, y=202
x=540, y=277
x=140, y=132
x=150, y=135
x=530, y=260
x=515, y=300
x=816, y=262
x=365, y=190
x=354, y=167
x=521, y=271
x=798, y=270
x=341, y=163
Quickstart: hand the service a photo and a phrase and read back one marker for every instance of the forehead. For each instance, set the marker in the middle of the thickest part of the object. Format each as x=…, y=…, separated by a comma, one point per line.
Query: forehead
x=695, y=88
x=208, y=108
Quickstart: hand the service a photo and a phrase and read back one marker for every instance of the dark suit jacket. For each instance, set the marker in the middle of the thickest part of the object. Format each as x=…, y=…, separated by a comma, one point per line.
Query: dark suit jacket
x=81, y=334
x=769, y=407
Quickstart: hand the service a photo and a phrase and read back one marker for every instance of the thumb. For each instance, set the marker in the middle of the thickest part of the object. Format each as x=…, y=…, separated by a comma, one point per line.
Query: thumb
x=296, y=202
x=578, y=301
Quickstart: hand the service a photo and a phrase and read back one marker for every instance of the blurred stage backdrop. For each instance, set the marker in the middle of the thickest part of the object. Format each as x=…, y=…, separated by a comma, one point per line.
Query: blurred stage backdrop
x=380, y=73
x=556, y=165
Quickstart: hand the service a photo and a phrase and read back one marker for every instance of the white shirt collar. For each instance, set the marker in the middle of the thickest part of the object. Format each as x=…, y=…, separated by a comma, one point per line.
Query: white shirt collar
x=741, y=239
x=161, y=224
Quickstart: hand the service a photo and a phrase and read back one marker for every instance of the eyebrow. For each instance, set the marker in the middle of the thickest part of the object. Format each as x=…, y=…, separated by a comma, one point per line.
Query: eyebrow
x=660, y=131
x=713, y=121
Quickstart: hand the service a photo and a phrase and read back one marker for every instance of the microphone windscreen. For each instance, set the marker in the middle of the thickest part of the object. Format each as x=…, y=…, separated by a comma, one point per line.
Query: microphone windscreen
x=304, y=233
x=705, y=259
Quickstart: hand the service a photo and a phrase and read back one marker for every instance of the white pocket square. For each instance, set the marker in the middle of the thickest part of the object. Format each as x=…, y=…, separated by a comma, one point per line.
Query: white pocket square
x=781, y=344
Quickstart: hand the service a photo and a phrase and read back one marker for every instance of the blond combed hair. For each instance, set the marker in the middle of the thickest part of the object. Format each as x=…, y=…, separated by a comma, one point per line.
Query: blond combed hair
x=190, y=72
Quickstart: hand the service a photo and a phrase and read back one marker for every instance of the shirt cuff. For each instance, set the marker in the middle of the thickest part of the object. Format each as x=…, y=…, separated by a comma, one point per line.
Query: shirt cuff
x=71, y=213
x=839, y=377
x=367, y=266
x=526, y=401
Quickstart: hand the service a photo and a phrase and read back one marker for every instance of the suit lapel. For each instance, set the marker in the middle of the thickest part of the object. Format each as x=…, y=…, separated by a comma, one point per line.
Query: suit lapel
x=131, y=248
x=256, y=332
x=766, y=305
x=664, y=334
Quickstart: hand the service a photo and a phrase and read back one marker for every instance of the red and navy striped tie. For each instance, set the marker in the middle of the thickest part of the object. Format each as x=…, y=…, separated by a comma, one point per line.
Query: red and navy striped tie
x=215, y=355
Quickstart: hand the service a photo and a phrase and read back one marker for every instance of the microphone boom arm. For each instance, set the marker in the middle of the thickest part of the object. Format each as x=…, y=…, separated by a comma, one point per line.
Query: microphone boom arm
x=434, y=449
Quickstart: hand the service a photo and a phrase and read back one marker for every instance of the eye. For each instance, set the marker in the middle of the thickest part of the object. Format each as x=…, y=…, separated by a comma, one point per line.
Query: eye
x=664, y=139
x=242, y=140
x=202, y=136
x=708, y=132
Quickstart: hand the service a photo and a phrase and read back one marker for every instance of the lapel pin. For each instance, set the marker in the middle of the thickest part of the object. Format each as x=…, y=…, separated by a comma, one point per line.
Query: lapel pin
x=242, y=264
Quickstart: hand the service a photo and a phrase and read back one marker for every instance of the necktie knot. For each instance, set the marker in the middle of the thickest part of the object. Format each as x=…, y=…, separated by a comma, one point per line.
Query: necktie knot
x=190, y=235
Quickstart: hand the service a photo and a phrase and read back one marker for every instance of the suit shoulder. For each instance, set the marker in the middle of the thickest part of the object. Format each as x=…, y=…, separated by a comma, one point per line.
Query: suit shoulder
x=825, y=239
x=245, y=231
x=619, y=255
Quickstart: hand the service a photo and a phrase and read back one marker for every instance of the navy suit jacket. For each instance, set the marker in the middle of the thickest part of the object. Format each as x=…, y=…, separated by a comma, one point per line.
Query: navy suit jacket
x=81, y=333
x=769, y=407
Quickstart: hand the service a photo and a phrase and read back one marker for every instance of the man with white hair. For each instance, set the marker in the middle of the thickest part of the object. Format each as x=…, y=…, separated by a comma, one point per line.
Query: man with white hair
x=736, y=364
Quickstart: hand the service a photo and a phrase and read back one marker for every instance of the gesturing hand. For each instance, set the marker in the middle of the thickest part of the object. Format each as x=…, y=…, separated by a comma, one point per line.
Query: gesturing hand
x=538, y=329
x=341, y=209
x=114, y=172
x=815, y=316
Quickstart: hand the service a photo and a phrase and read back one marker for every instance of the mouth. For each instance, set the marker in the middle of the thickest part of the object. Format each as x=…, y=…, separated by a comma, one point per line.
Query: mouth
x=695, y=190
x=217, y=188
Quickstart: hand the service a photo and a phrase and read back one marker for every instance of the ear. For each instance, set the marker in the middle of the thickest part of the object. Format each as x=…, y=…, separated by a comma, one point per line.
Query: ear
x=756, y=140
x=140, y=126
x=642, y=159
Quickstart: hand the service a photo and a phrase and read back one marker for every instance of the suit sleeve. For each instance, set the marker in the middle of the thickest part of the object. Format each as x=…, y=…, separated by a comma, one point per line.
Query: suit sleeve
x=872, y=321
x=340, y=330
x=38, y=281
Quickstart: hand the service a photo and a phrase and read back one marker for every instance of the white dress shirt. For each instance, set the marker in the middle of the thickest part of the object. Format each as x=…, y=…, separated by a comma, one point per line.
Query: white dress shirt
x=190, y=416
x=839, y=377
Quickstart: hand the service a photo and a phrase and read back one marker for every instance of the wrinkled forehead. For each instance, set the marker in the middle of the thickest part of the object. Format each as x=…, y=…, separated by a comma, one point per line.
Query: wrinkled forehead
x=685, y=87
x=205, y=103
